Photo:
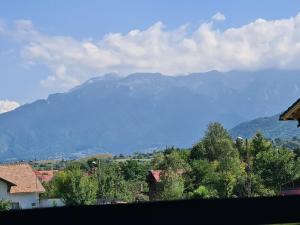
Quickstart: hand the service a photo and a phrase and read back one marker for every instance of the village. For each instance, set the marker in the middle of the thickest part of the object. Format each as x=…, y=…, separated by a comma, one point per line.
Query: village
x=23, y=187
x=215, y=167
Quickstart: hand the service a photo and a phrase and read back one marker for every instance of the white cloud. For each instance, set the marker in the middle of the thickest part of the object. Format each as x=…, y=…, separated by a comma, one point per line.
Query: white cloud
x=6, y=106
x=218, y=17
x=257, y=45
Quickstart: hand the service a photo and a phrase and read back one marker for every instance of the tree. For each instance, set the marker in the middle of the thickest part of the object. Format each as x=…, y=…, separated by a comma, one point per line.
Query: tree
x=275, y=167
x=211, y=147
x=157, y=160
x=134, y=170
x=218, y=149
x=171, y=186
x=92, y=163
x=50, y=190
x=198, y=151
x=135, y=173
x=172, y=160
x=75, y=188
x=257, y=189
x=230, y=171
x=204, y=192
x=111, y=183
x=260, y=144
x=203, y=173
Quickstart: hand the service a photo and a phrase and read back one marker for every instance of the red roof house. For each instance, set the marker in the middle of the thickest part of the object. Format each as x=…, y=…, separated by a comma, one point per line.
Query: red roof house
x=153, y=179
x=20, y=185
x=45, y=175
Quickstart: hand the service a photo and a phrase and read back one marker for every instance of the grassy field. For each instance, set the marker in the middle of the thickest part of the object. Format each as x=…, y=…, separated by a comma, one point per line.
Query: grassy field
x=97, y=156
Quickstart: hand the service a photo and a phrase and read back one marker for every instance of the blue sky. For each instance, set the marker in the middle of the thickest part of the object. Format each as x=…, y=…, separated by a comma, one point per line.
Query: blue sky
x=50, y=46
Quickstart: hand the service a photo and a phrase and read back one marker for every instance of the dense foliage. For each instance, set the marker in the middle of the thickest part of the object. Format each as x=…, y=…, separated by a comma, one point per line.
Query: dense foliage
x=215, y=167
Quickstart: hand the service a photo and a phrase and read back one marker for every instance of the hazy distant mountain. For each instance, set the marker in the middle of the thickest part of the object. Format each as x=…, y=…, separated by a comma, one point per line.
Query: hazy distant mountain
x=142, y=111
x=271, y=127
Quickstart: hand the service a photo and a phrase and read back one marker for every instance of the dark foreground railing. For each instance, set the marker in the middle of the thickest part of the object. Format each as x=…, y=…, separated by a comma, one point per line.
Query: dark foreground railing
x=183, y=212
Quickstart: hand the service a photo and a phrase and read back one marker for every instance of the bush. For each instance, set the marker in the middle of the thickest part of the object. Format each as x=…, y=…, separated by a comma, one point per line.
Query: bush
x=5, y=205
x=204, y=192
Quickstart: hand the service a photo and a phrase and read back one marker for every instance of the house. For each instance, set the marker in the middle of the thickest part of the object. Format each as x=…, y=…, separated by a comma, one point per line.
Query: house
x=45, y=175
x=291, y=188
x=20, y=185
x=292, y=113
x=154, y=179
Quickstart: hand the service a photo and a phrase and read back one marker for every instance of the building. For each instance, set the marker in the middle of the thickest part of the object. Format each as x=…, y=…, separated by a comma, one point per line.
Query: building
x=20, y=185
x=291, y=188
x=154, y=179
x=45, y=175
x=292, y=113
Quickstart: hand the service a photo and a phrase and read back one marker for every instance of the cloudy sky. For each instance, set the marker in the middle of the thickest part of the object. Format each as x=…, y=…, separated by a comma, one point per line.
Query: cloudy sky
x=52, y=45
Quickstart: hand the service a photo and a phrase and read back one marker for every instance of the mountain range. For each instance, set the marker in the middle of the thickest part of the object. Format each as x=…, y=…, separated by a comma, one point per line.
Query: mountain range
x=270, y=127
x=142, y=112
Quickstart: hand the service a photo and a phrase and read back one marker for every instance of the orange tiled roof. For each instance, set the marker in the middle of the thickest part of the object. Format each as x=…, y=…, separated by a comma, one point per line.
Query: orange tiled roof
x=23, y=176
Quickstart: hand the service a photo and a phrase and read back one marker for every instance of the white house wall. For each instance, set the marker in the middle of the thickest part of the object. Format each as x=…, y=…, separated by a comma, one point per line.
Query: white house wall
x=51, y=202
x=26, y=200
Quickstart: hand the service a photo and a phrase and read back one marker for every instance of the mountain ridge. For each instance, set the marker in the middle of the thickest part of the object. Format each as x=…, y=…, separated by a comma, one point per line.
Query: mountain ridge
x=271, y=127
x=142, y=111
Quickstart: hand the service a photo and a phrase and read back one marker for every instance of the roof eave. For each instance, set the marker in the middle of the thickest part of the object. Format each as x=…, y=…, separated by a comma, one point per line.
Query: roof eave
x=286, y=115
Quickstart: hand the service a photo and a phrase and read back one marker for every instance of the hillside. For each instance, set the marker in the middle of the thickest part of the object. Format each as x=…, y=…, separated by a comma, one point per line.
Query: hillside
x=140, y=112
x=271, y=127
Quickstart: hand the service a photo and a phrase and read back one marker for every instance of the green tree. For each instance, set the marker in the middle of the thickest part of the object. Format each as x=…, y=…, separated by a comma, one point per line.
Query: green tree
x=171, y=186
x=259, y=143
x=134, y=170
x=211, y=147
x=171, y=160
x=275, y=167
x=74, y=187
x=198, y=151
x=218, y=148
x=204, y=192
x=111, y=183
x=202, y=173
x=257, y=187
x=50, y=190
x=157, y=160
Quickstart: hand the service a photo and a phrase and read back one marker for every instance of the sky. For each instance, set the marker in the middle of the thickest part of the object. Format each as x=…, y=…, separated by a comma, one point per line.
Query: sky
x=51, y=46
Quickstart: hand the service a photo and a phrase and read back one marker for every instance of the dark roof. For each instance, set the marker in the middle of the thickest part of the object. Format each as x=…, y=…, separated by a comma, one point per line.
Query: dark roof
x=289, y=113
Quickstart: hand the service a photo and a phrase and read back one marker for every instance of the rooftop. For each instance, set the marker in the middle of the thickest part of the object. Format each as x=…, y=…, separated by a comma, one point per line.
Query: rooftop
x=22, y=177
x=45, y=175
x=292, y=113
x=156, y=174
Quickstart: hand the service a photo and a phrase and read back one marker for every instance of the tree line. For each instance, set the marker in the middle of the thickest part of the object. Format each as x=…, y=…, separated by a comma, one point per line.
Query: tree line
x=215, y=167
